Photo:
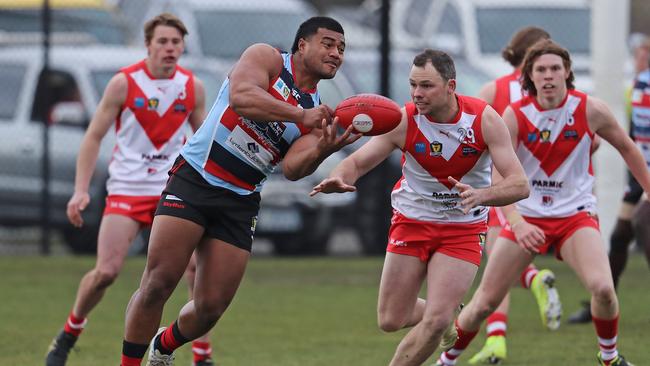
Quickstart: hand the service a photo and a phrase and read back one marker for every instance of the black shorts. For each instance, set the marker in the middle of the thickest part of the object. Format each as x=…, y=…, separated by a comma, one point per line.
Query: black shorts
x=633, y=191
x=224, y=214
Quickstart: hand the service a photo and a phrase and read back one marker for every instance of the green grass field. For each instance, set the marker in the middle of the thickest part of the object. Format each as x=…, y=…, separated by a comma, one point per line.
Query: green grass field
x=294, y=312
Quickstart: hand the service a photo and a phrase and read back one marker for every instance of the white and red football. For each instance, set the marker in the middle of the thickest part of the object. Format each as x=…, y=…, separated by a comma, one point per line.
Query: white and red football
x=370, y=114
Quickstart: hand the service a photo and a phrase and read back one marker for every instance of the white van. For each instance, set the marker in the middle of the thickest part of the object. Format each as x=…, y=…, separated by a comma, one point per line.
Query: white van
x=480, y=29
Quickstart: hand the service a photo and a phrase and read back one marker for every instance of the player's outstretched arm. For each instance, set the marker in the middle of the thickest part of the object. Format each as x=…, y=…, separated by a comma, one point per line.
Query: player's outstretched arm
x=376, y=150
x=603, y=123
x=249, y=81
x=107, y=111
x=306, y=154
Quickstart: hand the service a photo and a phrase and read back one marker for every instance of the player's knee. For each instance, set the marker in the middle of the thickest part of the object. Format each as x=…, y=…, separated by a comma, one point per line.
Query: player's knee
x=434, y=326
x=603, y=293
x=105, y=277
x=155, y=290
x=210, y=311
x=390, y=322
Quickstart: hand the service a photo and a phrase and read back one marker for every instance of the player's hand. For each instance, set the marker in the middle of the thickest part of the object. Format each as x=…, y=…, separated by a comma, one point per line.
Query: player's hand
x=470, y=196
x=330, y=141
x=78, y=202
x=530, y=237
x=313, y=117
x=332, y=185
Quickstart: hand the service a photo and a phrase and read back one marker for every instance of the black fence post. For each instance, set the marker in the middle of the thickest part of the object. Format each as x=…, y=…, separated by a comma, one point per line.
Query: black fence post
x=45, y=166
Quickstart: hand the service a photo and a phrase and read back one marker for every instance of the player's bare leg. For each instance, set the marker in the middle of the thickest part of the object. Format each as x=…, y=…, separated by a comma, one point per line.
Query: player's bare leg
x=201, y=348
x=116, y=232
x=448, y=279
x=584, y=252
x=171, y=245
x=502, y=270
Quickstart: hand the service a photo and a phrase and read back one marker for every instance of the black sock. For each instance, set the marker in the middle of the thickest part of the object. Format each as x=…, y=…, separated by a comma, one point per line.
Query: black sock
x=134, y=350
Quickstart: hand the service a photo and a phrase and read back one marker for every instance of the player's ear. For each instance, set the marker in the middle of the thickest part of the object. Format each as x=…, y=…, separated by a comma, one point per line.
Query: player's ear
x=451, y=86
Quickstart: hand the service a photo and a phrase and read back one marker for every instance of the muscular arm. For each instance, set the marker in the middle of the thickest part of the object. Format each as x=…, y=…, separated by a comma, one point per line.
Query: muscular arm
x=603, y=123
x=107, y=111
x=306, y=154
x=198, y=114
x=514, y=185
x=343, y=177
x=250, y=79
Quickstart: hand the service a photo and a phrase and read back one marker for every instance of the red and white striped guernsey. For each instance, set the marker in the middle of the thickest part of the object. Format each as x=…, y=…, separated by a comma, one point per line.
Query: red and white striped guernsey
x=432, y=152
x=507, y=90
x=554, y=148
x=150, y=130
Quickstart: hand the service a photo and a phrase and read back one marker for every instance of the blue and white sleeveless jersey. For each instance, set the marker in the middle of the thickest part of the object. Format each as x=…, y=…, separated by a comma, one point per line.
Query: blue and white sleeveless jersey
x=237, y=153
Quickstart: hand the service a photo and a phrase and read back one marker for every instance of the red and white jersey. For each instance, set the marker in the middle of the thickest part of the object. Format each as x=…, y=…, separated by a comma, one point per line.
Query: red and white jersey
x=434, y=151
x=507, y=91
x=150, y=130
x=554, y=147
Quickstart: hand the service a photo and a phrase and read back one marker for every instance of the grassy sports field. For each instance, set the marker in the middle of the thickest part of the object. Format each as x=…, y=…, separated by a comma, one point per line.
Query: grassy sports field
x=294, y=312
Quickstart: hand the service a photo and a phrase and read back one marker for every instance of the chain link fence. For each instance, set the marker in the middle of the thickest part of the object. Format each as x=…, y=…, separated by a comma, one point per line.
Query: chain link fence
x=90, y=40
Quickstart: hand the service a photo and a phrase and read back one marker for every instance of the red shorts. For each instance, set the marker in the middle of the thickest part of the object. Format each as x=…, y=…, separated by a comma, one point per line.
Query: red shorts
x=139, y=208
x=557, y=230
x=423, y=238
x=496, y=218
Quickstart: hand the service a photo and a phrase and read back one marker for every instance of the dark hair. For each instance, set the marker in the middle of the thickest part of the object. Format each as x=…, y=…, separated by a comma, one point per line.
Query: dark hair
x=167, y=19
x=441, y=61
x=310, y=27
x=540, y=48
x=515, y=51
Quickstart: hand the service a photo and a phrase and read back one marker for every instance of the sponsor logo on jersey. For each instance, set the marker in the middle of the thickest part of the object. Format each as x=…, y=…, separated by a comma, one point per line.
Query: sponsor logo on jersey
x=436, y=148
x=420, y=147
x=547, y=183
x=281, y=87
x=468, y=151
x=445, y=195
x=179, y=108
x=547, y=201
x=152, y=104
x=532, y=137
x=253, y=147
x=545, y=135
x=138, y=102
x=152, y=157
x=570, y=135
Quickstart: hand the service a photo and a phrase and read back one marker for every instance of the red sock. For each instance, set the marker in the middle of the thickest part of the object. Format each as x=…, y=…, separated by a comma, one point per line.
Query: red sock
x=607, y=331
x=527, y=275
x=74, y=325
x=201, y=351
x=172, y=338
x=497, y=323
x=465, y=337
x=130, y=361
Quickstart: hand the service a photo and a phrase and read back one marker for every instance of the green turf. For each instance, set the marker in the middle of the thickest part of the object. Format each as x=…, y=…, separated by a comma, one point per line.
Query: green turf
x=293, y=312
